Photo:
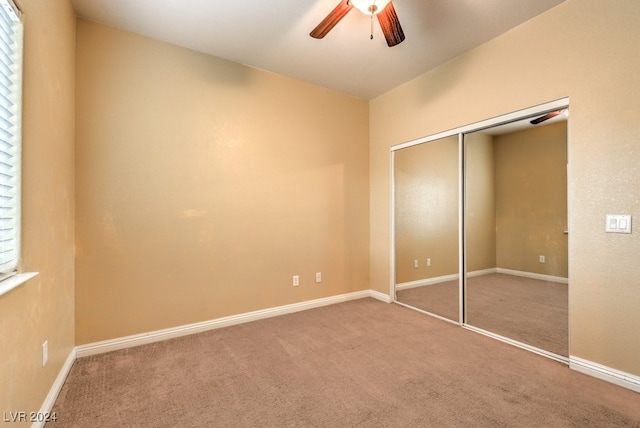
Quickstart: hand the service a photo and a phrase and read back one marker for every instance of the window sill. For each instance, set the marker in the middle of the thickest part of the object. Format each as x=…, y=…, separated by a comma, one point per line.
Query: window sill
x=15, y=281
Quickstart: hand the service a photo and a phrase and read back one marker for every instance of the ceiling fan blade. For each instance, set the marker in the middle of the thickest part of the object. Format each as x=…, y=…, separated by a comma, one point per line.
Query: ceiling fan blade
x=331, y=20
x=544, y=117
x=390, y=25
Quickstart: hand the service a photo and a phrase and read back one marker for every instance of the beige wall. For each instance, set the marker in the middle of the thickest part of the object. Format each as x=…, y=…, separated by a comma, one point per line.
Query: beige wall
x=203, y=186
x=426, y=210
x=42, y=308
x=531, y=200
x=584, y=49
x=480, y=185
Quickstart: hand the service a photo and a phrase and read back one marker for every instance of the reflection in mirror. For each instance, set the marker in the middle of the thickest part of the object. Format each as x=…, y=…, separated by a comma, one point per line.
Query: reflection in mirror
x=516, y=233
x=426, y=227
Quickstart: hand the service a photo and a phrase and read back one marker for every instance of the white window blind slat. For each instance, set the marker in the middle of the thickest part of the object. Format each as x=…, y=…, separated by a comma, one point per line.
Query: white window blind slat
x=10, y=135
x=6, y=23
x=5, y=102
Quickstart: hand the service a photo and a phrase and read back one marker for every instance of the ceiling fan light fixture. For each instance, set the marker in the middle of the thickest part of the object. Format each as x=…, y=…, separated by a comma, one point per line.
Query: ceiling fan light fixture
x=383, y=9
x=370, y=7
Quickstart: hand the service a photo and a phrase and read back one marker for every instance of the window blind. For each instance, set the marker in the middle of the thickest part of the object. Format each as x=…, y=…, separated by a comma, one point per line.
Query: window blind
x=10, y=135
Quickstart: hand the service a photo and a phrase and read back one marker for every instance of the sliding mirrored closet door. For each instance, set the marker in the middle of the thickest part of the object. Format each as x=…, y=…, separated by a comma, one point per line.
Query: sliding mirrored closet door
x=487, y=200
x=516, y=232
x=426, y=178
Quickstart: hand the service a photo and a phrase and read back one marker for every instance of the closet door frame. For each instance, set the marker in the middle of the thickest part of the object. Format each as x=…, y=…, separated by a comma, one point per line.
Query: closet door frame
x=537, y=110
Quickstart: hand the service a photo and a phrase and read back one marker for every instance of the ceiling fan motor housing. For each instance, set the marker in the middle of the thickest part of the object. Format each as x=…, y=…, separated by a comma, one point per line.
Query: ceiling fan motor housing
x=370, y=7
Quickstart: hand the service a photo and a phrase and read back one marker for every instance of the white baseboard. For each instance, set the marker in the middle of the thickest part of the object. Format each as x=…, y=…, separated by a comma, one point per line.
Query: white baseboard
x=51, y=397
x=443, y=278
x=380, y=296
x=452, y=277
x=426, y=281
x=184, y=330
x=533, y=275
x=482, y=272
x=608, y=374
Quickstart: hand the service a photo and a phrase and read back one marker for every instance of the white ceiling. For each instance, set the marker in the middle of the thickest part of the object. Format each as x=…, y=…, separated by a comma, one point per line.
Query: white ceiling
x=273, y=35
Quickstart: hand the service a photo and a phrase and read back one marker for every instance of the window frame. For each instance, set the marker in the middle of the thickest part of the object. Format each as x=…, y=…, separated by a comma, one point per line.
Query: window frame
x=11, y=77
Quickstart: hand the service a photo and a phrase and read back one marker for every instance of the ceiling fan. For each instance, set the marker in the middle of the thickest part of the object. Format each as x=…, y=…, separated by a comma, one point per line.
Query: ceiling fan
x=383, y=9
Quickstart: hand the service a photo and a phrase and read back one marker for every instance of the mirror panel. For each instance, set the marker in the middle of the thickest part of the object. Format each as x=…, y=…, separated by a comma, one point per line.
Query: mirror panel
x=426, y=178
x=516, y=239
x=512, y=177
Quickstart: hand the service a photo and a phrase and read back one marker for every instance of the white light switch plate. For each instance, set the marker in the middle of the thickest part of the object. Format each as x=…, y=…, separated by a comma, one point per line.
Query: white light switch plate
x=618, y=223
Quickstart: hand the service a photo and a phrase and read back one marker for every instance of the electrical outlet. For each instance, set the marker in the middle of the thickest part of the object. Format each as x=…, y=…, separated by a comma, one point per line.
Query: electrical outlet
x=428, y=262
x=415, y=264
x=45, y=353
x=296, y=280
x=542, y=259
x=318, y=277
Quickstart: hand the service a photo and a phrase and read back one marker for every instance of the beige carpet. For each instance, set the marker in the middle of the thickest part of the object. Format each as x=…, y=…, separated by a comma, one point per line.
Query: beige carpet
x=357, y=364
x=528, y=310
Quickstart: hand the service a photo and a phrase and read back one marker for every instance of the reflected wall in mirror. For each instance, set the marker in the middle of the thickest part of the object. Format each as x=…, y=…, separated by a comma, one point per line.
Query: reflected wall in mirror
x=426, y=178
x=516, y=233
